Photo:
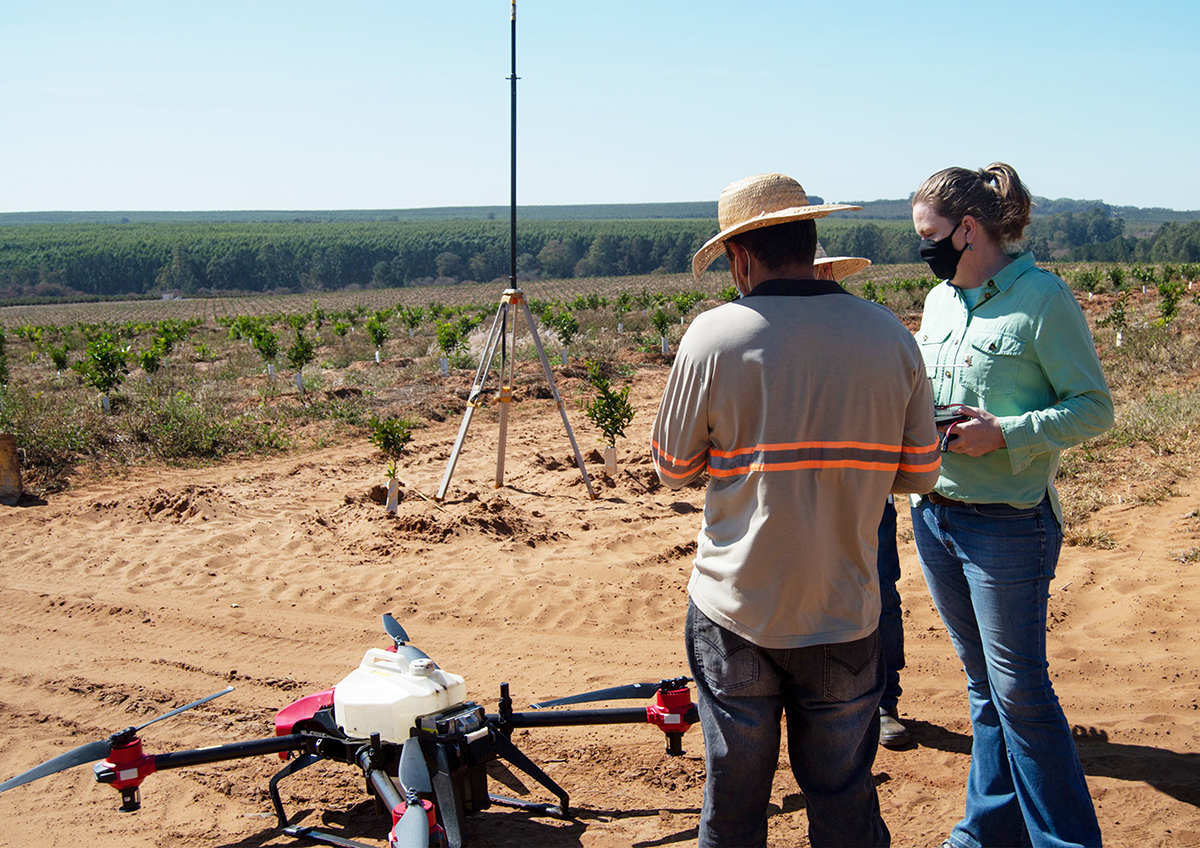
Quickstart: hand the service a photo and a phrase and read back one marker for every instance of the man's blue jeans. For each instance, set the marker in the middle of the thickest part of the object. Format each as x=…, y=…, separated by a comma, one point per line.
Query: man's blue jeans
x=891, y=621
x=831, y=696
x=989, y=567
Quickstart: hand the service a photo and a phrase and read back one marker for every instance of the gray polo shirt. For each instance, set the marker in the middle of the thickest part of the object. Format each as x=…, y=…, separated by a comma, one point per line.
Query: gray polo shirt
x=806, y=412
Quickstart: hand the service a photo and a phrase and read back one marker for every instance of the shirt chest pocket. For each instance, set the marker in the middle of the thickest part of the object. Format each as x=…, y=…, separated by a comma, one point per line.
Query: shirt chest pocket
x=931, y=342
x=998, y=361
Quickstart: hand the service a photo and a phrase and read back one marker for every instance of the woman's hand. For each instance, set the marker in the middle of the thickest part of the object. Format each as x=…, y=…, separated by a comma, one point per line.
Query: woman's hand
x=978, y=435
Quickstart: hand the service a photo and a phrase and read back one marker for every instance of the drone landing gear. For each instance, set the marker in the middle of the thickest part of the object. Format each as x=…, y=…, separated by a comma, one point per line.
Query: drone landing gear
x=294, y=830
x=506, y=750
x=321, y=836
x=303, y=761
x=460, y=779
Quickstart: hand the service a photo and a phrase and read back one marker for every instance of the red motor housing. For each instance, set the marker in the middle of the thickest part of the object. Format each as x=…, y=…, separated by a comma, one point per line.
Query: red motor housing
x=129, y=766
x=299, y=712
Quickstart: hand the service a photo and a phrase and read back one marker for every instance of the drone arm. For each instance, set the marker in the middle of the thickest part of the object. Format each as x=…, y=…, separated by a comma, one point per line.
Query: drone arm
x=571, y=718
x=672, y=712
x=233, y=751
x=405, y=831
x=127, y=765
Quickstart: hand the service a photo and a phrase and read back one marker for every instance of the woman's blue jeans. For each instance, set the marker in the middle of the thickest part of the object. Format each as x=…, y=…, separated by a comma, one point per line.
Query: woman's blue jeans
x=989, y=567
x=831, y=696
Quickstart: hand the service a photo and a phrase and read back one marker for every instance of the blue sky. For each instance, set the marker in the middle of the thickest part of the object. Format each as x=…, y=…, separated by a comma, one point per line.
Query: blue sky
x=363, y=105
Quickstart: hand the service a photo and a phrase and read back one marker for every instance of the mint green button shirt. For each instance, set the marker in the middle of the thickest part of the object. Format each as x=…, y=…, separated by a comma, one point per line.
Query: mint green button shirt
x=1025, y=354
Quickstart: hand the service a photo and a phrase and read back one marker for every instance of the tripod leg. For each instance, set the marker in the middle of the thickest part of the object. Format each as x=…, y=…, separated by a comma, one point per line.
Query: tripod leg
x=505, y=398
x=562, y=410
x=485, y=363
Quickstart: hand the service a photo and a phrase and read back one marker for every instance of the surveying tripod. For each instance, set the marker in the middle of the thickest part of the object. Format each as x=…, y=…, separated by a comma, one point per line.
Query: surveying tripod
x=513, y=306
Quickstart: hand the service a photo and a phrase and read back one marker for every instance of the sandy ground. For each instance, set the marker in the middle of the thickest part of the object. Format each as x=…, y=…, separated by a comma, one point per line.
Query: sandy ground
x=126, y=597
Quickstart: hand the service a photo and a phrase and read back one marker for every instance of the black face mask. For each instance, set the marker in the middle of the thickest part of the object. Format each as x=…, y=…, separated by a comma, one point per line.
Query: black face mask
x=941, y=255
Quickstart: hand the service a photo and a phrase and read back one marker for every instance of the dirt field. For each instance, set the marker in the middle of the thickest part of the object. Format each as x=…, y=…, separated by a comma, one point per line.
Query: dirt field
x=128, y=596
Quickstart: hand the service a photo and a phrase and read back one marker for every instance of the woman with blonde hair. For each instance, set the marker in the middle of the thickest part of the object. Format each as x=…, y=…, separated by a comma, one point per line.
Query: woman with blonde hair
x=1007, y=349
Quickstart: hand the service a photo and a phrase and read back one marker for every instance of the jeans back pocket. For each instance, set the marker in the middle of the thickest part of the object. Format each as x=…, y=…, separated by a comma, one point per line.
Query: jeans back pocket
x=852, y=668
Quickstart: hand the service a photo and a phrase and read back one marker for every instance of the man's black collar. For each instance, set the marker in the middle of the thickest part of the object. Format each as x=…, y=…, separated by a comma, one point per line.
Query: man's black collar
x=795, y=288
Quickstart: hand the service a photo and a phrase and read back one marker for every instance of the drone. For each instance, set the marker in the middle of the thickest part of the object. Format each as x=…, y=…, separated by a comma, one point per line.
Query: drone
x=406, y=724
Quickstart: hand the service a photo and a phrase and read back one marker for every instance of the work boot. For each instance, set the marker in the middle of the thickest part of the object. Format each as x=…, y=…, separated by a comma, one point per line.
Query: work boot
x=893, y=734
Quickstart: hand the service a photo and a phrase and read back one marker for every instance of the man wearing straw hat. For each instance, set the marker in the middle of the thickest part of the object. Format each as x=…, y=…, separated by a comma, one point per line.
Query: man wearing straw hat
x=806, y=406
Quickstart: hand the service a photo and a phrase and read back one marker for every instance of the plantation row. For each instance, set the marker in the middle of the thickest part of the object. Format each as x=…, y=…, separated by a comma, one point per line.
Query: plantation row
x=109, y=346
x=204, y=385
x=106, y=260
x=99, y=260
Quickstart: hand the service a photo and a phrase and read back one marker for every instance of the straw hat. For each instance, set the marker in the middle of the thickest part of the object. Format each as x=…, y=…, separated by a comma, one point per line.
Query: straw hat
x=763, y=200
x=843, y=266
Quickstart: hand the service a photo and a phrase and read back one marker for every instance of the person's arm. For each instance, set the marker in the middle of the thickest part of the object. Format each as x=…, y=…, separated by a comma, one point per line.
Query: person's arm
x=679, y=438
x=1068, y=358
x=920, y=460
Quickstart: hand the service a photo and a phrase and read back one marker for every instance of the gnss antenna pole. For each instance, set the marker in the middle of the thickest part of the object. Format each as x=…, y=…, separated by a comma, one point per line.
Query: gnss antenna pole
x=512, y=215
x=504, y=334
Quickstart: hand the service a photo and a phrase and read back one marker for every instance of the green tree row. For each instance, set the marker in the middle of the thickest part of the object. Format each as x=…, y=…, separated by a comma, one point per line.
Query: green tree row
x=72, y=260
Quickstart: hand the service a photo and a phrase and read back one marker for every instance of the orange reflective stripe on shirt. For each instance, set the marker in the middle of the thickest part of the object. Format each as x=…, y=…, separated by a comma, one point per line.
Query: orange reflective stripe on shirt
x=791, y=456
x=672, y=467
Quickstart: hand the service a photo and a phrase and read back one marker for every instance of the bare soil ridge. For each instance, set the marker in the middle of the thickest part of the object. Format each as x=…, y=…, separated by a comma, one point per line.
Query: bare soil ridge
x=128, y=596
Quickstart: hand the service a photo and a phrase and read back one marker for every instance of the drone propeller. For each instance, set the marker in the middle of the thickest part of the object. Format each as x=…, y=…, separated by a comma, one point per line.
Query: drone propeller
x=97, y=750
x=412, y=830
x=631, y=691
x=393, y=628
x=414, y=773
x=403, y=649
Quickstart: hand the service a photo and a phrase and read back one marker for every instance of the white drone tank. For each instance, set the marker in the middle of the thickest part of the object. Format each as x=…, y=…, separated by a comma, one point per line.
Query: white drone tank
x=388, y=691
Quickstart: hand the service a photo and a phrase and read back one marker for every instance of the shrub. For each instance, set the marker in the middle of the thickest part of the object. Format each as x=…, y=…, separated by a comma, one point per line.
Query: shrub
x=661, y=321
x=1169, y=296
x=52, y=432
x=391, y=436
x=179, y=427
x=266, y=343
x=1088, y=279
x=685, y=301
x=377, y=330
x=3, y=359
x=1143, y=274
x=301, y=352
x=566, y=326
x=245, y=327
x=411, y=316
x=1117, y=316
x=449, y=336
x=59, y=355
x=106, y=364
x=150, y=359
x=609, y=410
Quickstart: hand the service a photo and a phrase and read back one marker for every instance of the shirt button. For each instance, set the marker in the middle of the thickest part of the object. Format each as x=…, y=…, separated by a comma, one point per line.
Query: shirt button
x=947, y=372
x=992, y=346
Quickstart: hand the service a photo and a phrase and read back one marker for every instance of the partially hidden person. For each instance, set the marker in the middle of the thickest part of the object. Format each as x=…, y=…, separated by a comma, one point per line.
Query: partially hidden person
x=805, y=406
x=1007, y=346
x=892, y=732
